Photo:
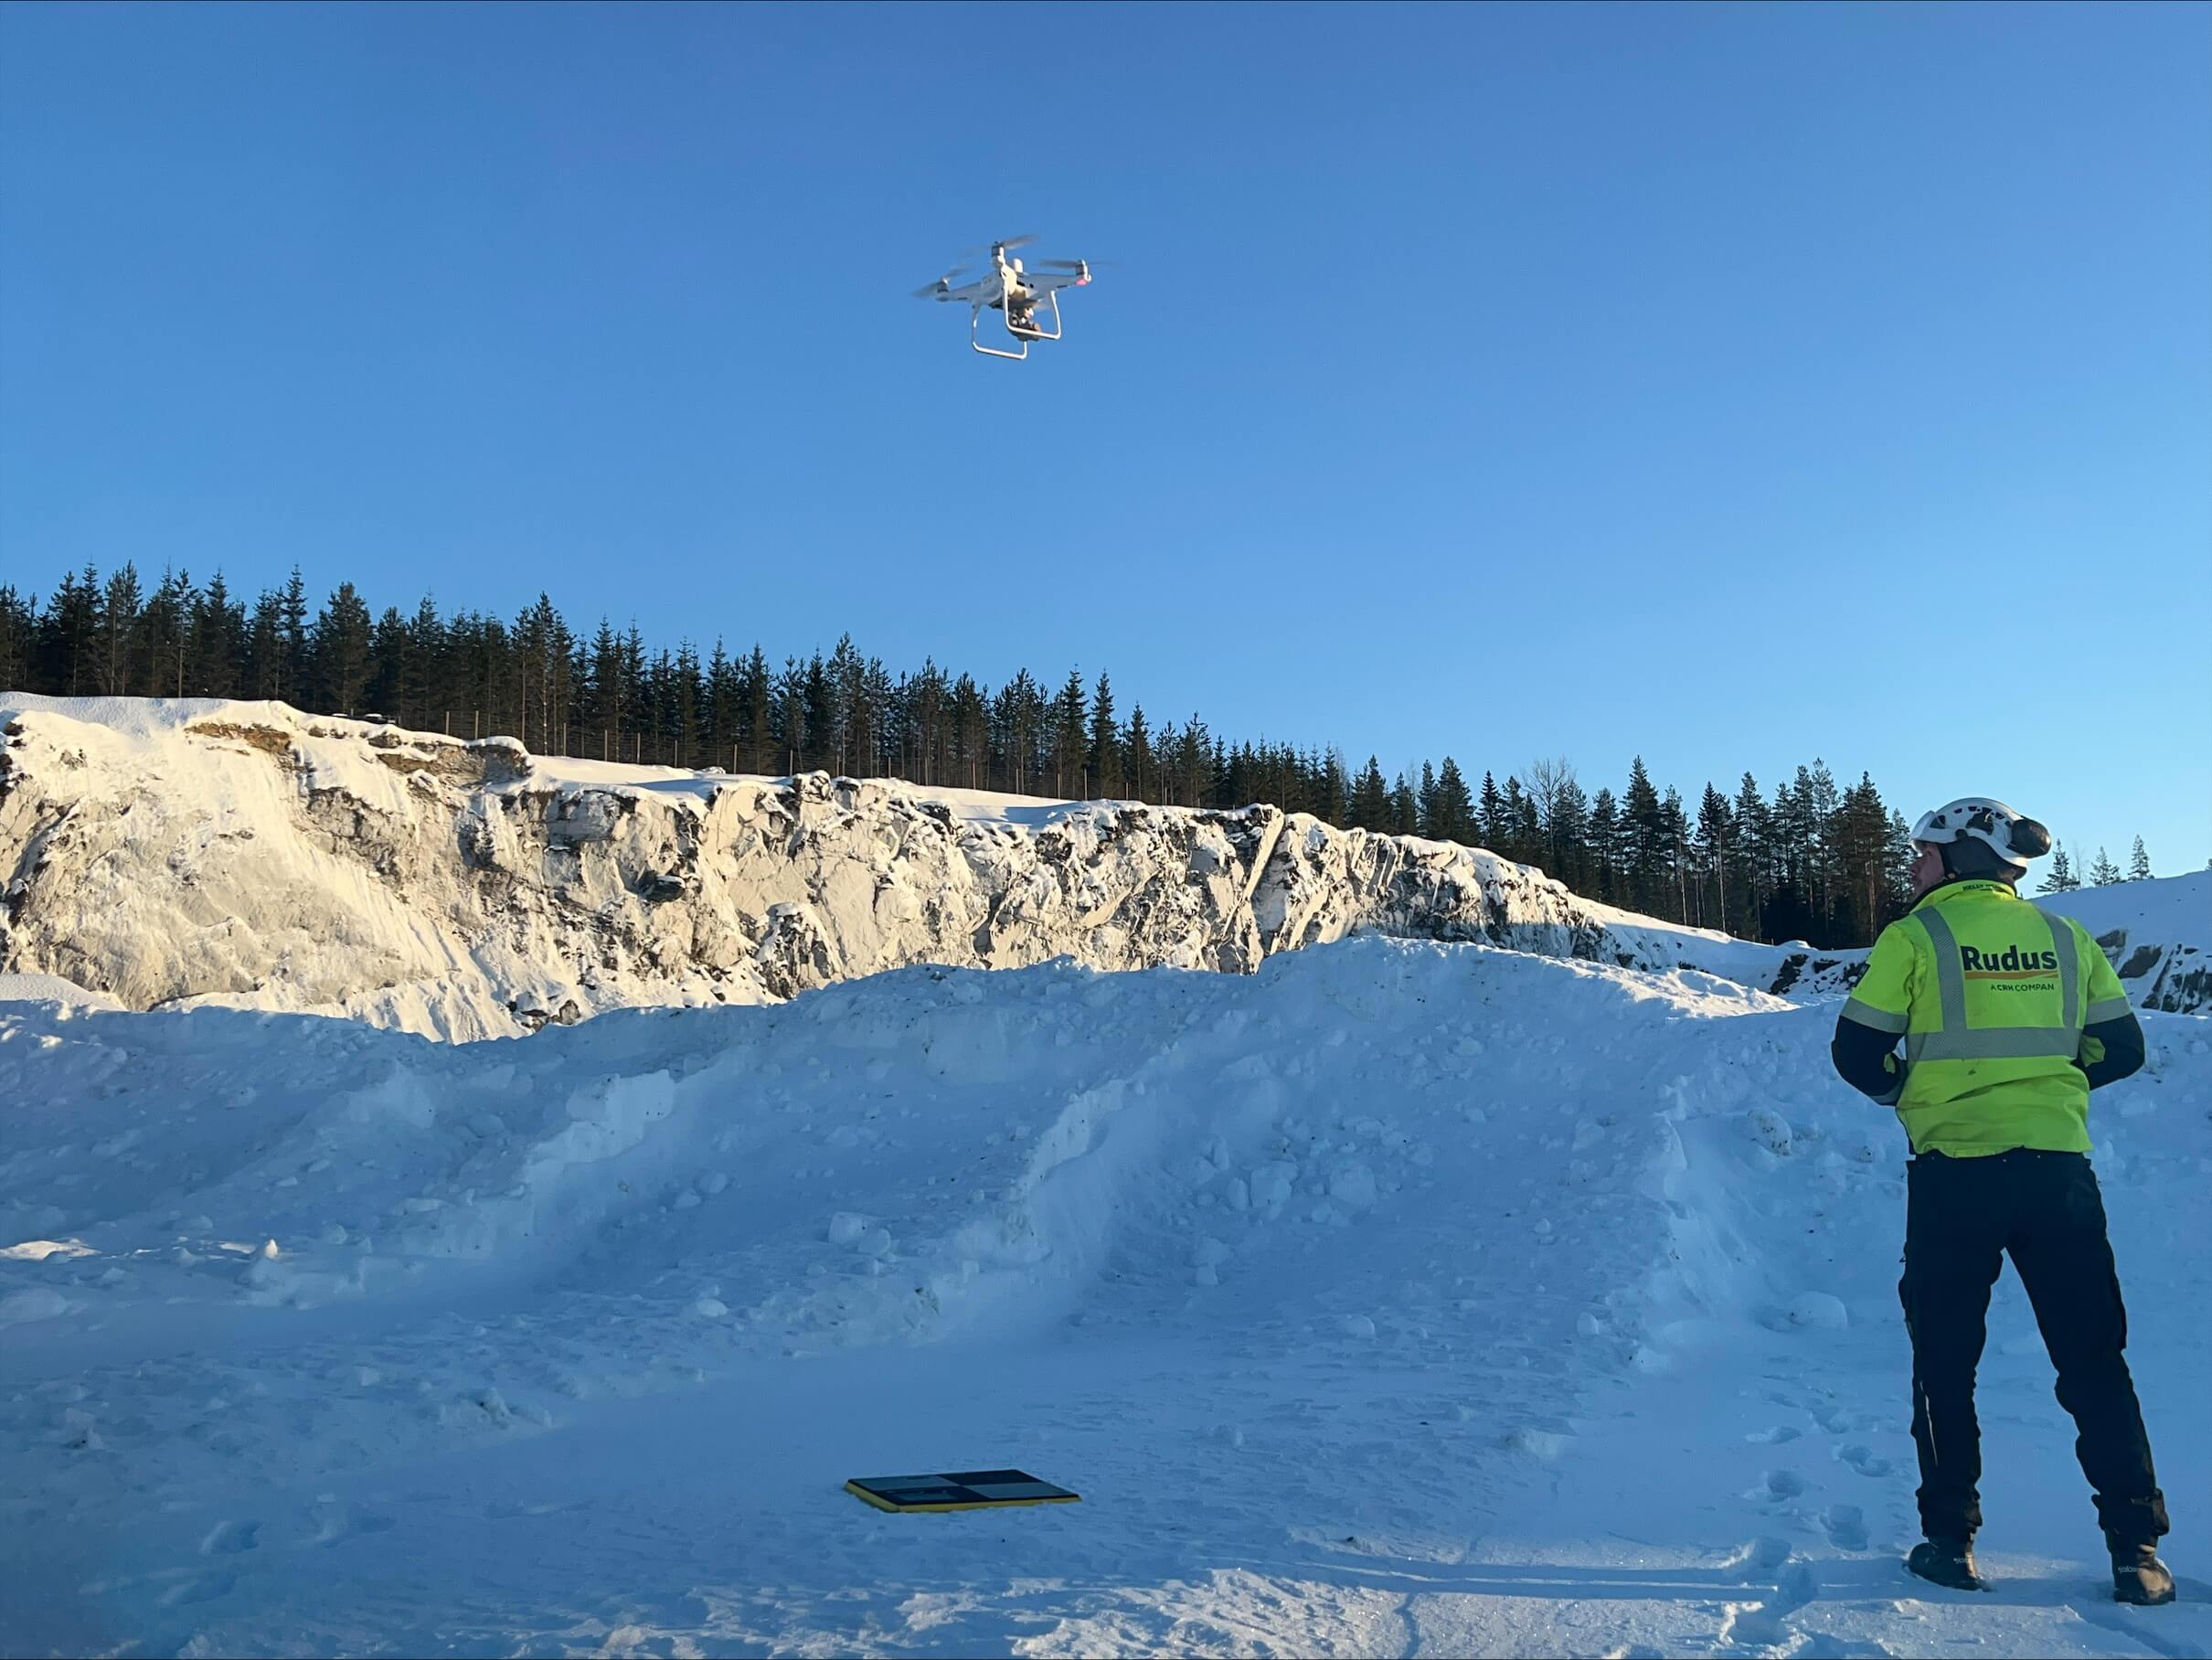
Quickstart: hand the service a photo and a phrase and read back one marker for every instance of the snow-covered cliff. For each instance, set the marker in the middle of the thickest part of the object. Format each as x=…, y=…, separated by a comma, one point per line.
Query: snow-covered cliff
x=167, y=853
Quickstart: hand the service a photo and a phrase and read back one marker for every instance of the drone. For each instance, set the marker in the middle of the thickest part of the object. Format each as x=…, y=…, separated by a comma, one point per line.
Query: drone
x=1010, y=289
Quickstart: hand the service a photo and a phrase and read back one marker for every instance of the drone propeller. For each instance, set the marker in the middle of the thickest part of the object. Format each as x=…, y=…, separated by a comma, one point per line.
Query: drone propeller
x=1007, y=245
x=937, y=287
x=1071, y=264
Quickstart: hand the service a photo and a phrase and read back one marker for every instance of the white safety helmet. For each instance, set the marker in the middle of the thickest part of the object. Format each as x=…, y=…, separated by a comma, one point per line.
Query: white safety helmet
x=2012, y=836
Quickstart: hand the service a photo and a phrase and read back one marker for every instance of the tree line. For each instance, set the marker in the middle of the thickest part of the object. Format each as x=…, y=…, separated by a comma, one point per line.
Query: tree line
x=1814, y=859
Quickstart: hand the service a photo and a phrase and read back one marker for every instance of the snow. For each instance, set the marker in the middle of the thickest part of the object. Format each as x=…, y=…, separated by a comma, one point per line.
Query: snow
x=1396, y=1298
x=2157, y=932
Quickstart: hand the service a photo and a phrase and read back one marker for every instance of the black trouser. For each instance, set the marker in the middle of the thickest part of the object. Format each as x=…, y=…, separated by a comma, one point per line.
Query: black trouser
x=1962, y=1216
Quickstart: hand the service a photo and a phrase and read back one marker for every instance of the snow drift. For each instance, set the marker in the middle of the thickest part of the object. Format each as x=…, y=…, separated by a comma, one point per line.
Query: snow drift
x=174, y=854
x=1396, y=1298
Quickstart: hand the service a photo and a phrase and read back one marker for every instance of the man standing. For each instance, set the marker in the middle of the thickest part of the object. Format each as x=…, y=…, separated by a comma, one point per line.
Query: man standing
x=2010, y=1016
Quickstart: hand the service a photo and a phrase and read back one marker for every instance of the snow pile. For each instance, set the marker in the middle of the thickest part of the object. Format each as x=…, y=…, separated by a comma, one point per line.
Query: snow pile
x=176, y=854
x=1397, y=1297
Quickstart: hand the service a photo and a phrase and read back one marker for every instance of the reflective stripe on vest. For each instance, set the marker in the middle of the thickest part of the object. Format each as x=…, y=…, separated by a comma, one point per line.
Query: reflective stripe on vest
x=1958, y=1041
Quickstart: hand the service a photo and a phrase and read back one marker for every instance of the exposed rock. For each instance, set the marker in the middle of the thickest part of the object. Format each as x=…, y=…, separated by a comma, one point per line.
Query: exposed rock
x=166, y=853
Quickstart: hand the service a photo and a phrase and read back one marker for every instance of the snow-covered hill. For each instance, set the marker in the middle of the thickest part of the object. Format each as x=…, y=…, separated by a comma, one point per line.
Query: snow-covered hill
x=2157, y=932
x=177, y=854
x=1398, y=1298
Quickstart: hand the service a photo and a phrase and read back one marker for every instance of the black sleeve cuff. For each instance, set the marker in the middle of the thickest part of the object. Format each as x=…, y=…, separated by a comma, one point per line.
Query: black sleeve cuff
x=1864, y=1059
x=2118, y=1049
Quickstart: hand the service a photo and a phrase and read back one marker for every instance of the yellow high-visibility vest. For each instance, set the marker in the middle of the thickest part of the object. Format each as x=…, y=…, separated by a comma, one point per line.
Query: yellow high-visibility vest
x=1991, y=995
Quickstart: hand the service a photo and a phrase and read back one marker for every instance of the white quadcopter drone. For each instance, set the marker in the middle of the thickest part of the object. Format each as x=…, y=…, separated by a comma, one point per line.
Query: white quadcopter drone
x=1007, y=288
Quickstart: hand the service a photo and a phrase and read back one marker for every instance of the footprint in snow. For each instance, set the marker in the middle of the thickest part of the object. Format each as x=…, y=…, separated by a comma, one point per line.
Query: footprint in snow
x=1774, y=1437
x=338, y=1526
x=204, y=1588
x=1864, y=1461
x=231, y=1538
x=1846, y=1526
x=1784, y=1483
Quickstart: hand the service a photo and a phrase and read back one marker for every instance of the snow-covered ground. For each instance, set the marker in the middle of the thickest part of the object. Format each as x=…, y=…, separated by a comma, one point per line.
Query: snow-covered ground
x=1396, y=1298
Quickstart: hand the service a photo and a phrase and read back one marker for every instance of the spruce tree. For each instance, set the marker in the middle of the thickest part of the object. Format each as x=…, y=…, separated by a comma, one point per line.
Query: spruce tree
x=388, y=658
x=340, y=651
x=1675, y=834
x=1491, y=811
x=2103, y=873
x=1332, y=799
x=1452, y=808
x=1405, y=808
x=291, y=619
x=2138, y=863
x=1605, y=845
x=18, y=636
x=1137, y=763
x=1643, y=830
x=1753, y=870
x=2060, y=877
x=118, y=633
x=1509, y=834
x=1527, y=827
x=1712, y=846
x=219, y=644
x=1105, y=758
x=161, y=643
x=1370, y=806
x=1069, y=737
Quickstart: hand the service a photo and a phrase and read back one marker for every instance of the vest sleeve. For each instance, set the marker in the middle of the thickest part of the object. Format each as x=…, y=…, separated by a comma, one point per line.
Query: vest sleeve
x=1882, y=1000
x=2111, y=1038
x=1874, y=1017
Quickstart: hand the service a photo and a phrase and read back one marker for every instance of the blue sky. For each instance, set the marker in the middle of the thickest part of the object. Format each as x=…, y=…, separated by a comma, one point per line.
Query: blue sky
x=1733, y=385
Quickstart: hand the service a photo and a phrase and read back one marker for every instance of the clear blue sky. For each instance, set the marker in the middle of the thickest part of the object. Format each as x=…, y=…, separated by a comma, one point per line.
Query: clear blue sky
x=1732, y=384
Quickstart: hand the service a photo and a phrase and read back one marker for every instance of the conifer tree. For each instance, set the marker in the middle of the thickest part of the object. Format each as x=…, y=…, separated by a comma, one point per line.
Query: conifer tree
x=1452, y=808
x=341, y=645
x=2103, y=873
x=218, y=643
x=18, y=636
x=1370, y=804
x=1509, y=833
x=1405, y=808
x=1712, y=844
x=118, y=633
x=1605, y=845
x=1644, y=831
x=2138, y=863
x=292, y=618
x=1137, y=762
x=1332, y=801
x=1069, y=737
x=2060, y=877
x=160, y=645
x=1104, y=761
x=1491, y=815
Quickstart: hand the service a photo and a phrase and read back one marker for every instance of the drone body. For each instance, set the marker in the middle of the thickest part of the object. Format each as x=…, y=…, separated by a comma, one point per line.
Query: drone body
x=1008, y=289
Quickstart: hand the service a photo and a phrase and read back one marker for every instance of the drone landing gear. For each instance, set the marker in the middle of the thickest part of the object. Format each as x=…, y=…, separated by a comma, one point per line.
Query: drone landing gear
x=1022, y=332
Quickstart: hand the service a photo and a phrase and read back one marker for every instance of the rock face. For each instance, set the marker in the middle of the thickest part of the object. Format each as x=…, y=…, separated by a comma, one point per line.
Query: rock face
x=171, y=852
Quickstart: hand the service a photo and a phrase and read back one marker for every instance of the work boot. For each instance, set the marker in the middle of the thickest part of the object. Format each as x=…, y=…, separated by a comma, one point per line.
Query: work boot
x=2139, y=1577
x=1947, y=1562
